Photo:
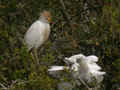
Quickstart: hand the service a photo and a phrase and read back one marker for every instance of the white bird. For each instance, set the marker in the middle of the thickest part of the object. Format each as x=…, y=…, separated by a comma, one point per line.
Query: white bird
x=82, y=67
x=73, y=59
x=56, y=68
x=88, y=68
x=38, y=33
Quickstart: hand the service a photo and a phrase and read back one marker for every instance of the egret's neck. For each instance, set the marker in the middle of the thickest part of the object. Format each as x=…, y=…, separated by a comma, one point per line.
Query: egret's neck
x=43, y=19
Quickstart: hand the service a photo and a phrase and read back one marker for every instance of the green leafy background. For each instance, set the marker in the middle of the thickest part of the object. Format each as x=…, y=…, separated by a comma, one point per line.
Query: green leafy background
x=99, y=35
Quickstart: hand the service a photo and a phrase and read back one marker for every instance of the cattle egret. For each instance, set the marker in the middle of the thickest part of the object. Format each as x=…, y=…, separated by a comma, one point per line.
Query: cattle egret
x=87, y=68
x=83, y=68
x=38, y=33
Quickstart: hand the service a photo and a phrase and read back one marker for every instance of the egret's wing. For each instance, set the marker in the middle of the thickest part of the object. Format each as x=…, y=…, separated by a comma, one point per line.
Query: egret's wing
x=92, y=58
x=94, y=66
x=87, y=67
x=74, y=58
x=35, y=26
x=98, y=73
x=34, y=35
x=69, y=60
x=56, y=68
x=75, y=67
x=77, y=56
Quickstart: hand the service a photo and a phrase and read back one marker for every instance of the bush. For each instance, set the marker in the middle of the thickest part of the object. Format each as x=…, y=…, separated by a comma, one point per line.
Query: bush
x=91, y=27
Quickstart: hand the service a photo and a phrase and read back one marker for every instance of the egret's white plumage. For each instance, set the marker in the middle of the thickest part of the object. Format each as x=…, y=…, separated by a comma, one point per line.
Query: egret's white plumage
x=88, y=68
x=57, y=68
x=74, y=67
x=73, y=59
x=38, y=33
x=84, y=68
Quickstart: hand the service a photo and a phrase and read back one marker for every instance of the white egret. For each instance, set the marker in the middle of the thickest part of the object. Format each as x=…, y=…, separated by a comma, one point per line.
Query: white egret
x=38, y=33
x=87, y=68
x=83, y=68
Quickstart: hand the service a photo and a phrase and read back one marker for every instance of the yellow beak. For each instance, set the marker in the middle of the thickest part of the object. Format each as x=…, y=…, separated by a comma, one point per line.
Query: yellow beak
x=49, y=20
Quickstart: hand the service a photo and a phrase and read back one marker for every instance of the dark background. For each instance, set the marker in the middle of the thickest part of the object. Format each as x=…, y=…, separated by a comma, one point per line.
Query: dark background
x=82, y=26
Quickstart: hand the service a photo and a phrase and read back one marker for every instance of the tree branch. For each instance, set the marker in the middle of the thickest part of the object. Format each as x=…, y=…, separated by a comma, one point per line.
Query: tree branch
x=3, y=86
x=65, y=12
x=71, y=24
x=84, y=84
x=9, y=87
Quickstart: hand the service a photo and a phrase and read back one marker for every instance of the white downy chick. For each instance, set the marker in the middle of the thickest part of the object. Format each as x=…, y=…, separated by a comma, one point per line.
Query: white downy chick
x=83, y=67
x=87, y=67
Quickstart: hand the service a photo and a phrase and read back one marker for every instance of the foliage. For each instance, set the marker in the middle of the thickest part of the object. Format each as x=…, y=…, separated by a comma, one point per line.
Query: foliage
x=93, y=28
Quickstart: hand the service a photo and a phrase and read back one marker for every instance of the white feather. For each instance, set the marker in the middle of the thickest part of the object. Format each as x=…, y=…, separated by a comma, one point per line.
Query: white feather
x=94, y=66
x=56, y=68
x=75, y=67
x=74, y=58
x=85, y=67
x=92, y=58
x=35, y=35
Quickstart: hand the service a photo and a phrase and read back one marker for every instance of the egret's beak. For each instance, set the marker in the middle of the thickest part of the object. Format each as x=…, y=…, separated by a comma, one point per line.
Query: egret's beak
x=49, y=20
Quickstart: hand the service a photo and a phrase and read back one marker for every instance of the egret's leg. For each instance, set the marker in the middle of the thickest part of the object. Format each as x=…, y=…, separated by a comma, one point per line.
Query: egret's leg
x=33, y=57
x=30, y=50
x=34, y=65
x=36, y=56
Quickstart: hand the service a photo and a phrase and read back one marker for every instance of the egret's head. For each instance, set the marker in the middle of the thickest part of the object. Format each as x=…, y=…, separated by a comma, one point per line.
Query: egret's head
x=46, y=16
x=69, y=61
x=74, y=58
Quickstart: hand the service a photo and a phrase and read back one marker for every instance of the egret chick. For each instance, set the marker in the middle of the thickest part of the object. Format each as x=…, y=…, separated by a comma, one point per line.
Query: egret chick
x=84, y=69
x=38, y=33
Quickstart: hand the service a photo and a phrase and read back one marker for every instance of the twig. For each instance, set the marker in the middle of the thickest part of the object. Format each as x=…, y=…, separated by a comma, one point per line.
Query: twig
x=84, y=84
x=66, y=14
x=12, y=84
x=8, y=87
x=3, y=86
x=22, y=82
x=74, y=43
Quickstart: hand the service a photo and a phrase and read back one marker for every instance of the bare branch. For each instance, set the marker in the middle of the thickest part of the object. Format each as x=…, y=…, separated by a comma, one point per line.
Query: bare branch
x=12, y=84
x=23, y=82
x=8, y=87
x=84, y=84
x=71, y=24
x=3, y=86
x=65, y=12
